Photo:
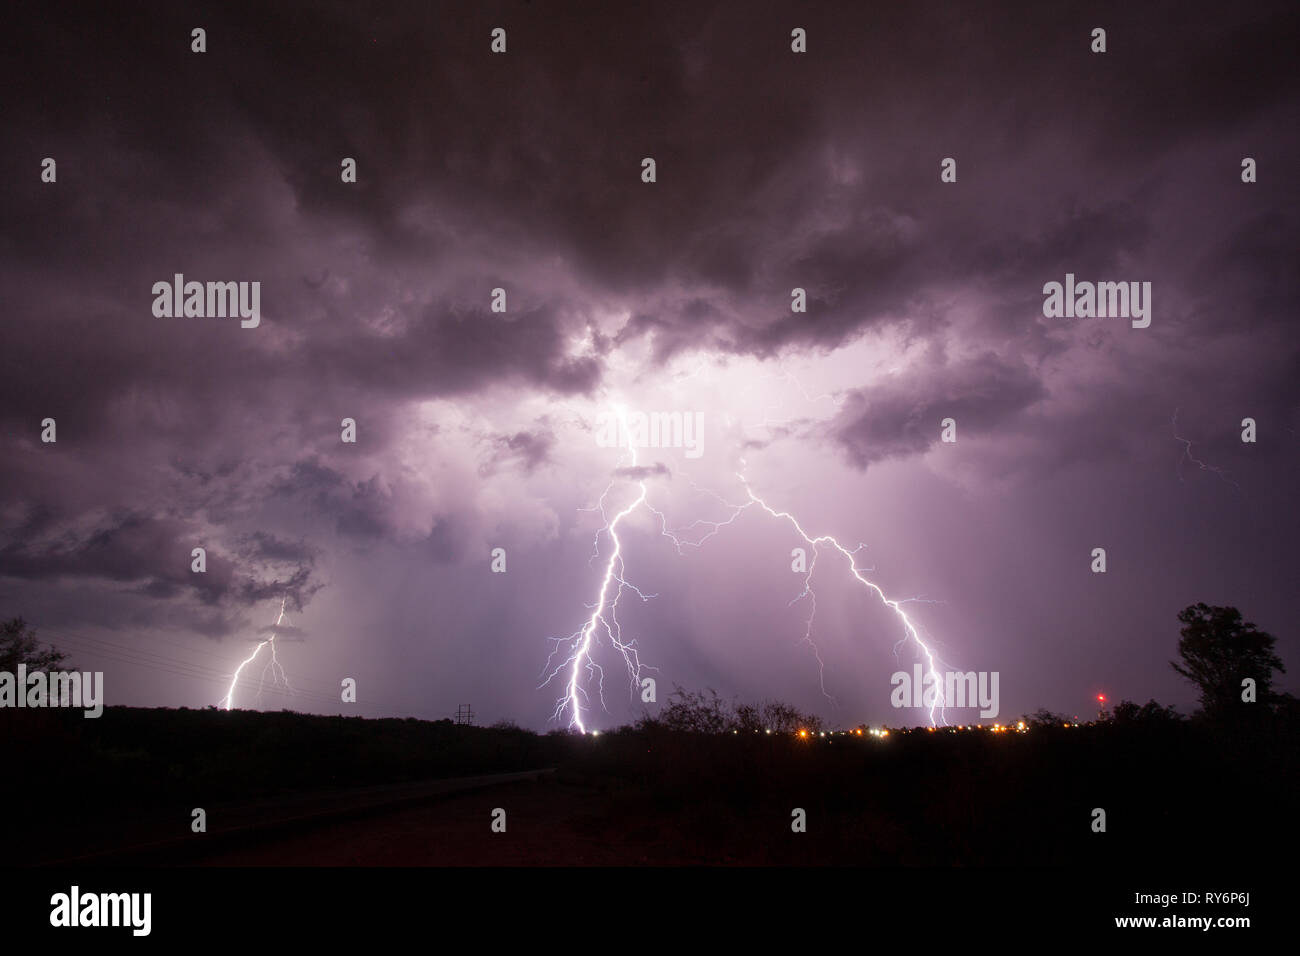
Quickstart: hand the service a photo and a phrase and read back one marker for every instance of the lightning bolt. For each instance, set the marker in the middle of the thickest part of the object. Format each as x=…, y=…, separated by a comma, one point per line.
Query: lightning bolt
x=1188, y=457
x=278, y=675
x=603, y=620
x=816, y=543
x=604, y=614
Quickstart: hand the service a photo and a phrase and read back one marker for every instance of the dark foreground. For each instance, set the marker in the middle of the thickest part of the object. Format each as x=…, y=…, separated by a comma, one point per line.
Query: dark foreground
x=291, y=789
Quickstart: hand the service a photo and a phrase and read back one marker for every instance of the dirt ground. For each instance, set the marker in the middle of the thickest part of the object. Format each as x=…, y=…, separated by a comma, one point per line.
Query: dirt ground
x=548, y=823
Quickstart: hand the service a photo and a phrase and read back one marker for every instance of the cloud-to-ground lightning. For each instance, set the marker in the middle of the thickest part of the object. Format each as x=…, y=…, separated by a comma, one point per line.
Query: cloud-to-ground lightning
x=278, y=675
x=604, y=614
x=893, y=604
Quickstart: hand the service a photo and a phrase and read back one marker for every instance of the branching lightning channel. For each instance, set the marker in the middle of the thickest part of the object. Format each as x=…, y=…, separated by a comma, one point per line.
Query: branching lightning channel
x=603, y=619
x=816, y=543
x=577, y=648
x=1189, y=457
x=272, y=666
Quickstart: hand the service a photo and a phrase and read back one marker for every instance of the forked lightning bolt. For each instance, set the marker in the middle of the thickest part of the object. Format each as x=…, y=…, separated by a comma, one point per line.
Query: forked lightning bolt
x=604, y=615
x=894, y=605
x=278, y=675
x=603, y=619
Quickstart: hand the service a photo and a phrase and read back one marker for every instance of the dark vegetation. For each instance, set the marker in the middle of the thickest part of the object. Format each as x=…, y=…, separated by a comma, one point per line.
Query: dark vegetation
x=704, y=781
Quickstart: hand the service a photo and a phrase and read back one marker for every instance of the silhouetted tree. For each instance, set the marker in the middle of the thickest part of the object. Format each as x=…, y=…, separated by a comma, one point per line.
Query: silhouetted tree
x=18, y=645
x=1043, y=717
x=1219, y=651
x=1127, y=712
x=749, y=719
x=701, y=713
x=778, y=717
x=786, y=718
x=694, y=712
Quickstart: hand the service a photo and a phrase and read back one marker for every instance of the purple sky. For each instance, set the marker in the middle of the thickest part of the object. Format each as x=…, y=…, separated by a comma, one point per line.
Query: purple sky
x=477, y=430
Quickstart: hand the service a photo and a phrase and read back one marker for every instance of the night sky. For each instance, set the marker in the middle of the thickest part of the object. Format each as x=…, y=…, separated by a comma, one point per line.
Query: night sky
x=477, y=429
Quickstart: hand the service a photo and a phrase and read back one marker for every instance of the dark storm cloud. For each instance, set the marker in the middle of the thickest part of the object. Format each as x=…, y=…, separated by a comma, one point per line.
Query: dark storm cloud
x=775, y=171
x=124, y=547
x=364, y=512
x=748, y=139
x=904, y=416
x=263, y=545
x=447, y=540
x=154, y=555
x=447, y=350
x=359, y=509
x=529, y=449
